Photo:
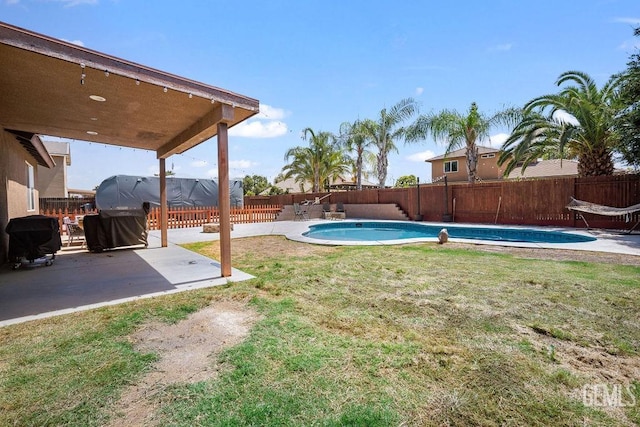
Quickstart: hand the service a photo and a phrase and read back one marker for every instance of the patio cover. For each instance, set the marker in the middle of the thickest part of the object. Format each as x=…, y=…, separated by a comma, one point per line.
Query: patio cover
x=51, y=87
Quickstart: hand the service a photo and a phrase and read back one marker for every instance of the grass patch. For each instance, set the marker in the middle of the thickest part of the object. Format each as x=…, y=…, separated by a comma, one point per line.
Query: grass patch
x=361, y=336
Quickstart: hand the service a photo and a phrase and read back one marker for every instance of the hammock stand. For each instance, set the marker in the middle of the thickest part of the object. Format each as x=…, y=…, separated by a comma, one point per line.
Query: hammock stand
x=593, y=208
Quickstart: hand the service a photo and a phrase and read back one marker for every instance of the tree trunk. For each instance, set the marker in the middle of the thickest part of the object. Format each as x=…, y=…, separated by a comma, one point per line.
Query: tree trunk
x=596, y=162
x=472, y=162
x=359, y=172
x=382, y=170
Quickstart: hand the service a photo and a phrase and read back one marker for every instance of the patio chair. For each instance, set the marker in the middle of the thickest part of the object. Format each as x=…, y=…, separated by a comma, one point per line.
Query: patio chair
x=339, y=207
x=326, y=208
x=299, y=212
x=74, y=231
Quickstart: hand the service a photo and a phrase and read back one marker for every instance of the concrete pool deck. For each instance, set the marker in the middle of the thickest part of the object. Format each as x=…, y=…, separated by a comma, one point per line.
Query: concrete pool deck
x=607, y=241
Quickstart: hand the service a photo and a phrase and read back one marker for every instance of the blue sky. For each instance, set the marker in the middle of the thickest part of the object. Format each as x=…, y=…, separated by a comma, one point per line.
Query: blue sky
x=319, y=63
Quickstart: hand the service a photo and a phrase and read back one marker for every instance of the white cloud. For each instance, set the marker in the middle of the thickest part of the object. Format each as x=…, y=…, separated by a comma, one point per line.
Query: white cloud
x=497, y=140
x=71, y=3
x=419, y=91
x=198, y=163
x=259, y=129
x=241, y=164
x=632, y=21
x=501, y=47
x=212, y=173
x=563, y=116
x=76, y=42
x=271, y=113
x=421, y=156
x=266, y=124
x=629, y=45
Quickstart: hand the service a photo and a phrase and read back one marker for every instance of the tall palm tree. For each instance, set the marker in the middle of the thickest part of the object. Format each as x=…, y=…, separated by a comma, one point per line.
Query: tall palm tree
x=353, y=139
x=462, y=130
x=579, y=120
x=318, y=163
x=386, y=130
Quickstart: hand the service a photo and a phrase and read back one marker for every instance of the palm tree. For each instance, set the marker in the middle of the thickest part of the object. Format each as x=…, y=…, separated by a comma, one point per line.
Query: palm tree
x=462, y=130
x=353, y=139
x=578, y=121
x=386, y=130
x=318, y=163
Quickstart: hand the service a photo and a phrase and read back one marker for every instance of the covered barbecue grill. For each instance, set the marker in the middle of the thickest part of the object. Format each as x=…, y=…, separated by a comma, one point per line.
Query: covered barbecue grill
x=31, y=238
x=115, y=228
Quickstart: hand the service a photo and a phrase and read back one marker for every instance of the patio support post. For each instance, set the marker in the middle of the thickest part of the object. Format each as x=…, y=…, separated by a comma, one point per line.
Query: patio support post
x=164, y=214
x=224, y=201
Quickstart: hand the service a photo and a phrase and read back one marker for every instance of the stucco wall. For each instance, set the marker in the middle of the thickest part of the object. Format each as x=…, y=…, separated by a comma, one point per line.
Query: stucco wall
x=487, y=169
x=13, y=186
x=53, y=182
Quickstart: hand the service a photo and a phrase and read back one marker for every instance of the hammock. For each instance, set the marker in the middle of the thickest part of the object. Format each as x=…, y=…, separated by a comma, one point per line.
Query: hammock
x=593, y=208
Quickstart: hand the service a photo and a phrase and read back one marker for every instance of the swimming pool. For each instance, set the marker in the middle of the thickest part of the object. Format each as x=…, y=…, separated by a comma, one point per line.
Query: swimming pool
x=375, y=231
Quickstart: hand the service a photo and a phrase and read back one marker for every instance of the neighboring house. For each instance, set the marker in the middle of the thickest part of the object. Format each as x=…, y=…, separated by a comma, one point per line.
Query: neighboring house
x=546, y=169
x=454, y=165
x=342, y=184
x=290, y=186
x=52, y=182
x=22, y=157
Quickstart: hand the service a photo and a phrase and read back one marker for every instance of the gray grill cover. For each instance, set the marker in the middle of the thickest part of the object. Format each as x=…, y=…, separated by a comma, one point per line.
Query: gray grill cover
x=129, y=192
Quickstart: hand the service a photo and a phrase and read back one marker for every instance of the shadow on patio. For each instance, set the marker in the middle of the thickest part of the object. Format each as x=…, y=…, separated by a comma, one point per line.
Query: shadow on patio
x=80, y=280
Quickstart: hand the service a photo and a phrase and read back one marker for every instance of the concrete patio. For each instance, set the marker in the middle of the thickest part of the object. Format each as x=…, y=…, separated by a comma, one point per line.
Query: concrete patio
x=80, y=280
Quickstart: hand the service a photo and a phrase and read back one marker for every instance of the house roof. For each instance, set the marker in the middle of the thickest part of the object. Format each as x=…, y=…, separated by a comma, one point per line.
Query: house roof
x=52, y=87
x=34, y=146
x=546, y=168
x=462, y=153
x=60, y=149
x=292, y=186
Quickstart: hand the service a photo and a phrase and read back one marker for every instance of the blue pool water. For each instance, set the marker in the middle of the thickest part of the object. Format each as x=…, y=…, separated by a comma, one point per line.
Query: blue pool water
x=369, y=231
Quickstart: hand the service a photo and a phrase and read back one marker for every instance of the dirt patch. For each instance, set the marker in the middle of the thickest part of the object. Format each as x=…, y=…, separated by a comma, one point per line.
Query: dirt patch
x=280, y=245
x=593, y=363
x=186, y=353
x=553, y=254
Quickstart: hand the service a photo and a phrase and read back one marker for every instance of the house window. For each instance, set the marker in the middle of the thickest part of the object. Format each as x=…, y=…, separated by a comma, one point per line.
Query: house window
x=31, y=188
x=488, y=156
x=451, y=166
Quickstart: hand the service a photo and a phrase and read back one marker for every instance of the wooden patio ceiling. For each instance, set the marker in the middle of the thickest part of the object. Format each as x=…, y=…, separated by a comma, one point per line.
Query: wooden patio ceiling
x=52, y=87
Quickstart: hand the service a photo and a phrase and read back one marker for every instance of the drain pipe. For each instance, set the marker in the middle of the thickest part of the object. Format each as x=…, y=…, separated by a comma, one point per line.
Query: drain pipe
x=446, y=217
x=418, y=217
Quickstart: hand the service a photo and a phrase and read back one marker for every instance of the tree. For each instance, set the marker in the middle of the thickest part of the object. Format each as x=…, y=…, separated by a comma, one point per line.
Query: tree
x=254, y=185
x=354, y=139
x=462, y=131
x=628, y=122
x=321, y=161
x=386, y=130
x=579, y=120
x=406, y=181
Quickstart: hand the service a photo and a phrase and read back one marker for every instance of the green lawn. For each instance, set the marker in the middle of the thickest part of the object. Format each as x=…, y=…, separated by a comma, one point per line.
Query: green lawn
x=361, y=336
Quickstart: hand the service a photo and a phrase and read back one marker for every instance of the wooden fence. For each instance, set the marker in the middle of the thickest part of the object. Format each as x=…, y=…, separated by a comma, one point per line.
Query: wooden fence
x=526, y=202
x=197, y=216
x=66, y=203
x=185, y=217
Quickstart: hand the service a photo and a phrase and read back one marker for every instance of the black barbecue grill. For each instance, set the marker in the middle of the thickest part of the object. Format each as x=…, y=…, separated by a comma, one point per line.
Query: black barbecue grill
x=33, y=238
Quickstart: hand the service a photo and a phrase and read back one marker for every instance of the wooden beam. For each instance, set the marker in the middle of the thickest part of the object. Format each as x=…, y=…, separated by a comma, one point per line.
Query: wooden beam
x=164, y=213
x=224, y=201
x=203, y=129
